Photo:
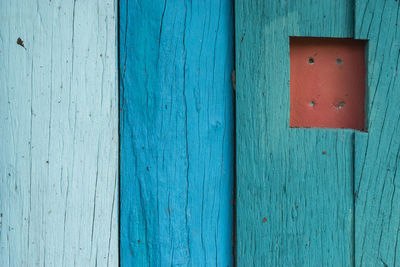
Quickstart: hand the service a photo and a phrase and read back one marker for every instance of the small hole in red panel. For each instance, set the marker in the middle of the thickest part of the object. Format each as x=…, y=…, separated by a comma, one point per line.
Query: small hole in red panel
x=336, y=80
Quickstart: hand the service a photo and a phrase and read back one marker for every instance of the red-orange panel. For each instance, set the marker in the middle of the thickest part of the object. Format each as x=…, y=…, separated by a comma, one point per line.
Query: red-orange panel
x=327, y=82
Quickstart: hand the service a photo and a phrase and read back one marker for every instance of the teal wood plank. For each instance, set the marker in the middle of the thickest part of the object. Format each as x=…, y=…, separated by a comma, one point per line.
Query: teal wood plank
x=294, y=186
x=58, y=133
x=176, y=60
x=377, y=153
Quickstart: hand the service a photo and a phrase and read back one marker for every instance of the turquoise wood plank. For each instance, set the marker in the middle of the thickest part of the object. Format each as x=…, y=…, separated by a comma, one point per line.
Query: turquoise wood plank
x=58, y=133
x=294, y=186
x=176, y=59
x=377, y=179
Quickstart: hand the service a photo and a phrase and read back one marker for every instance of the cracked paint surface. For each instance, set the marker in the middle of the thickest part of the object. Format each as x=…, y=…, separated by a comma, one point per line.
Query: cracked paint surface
x=176, y=61
x=59, y=133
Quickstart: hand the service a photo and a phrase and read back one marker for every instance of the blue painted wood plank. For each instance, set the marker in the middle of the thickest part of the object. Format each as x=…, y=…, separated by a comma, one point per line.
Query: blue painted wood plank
x=377, y=154
x=294, y=186
x=176, y=59
x=58, y=133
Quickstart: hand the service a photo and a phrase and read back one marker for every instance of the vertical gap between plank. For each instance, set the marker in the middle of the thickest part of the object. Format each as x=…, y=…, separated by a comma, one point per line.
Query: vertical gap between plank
x=353, y=226
x=119, y=102
x=353, y=19
x=234, y=232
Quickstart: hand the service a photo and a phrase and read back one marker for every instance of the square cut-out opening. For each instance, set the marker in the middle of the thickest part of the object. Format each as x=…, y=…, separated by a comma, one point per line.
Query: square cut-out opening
x=327, y=82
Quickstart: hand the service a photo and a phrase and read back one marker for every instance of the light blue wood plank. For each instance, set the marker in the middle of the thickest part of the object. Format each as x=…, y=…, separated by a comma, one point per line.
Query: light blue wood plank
x=58, y=133
x=176, y=59
x=294, y=186
x=377, y=180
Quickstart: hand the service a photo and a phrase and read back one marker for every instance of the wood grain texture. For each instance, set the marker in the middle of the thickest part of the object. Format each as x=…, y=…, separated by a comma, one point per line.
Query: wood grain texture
x=176, y=59
x=294, y=186
x=377, y=154
x=58, y=133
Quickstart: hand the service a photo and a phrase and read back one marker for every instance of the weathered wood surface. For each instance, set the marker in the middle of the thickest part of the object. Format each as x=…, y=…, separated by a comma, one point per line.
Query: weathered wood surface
x=377, y=153
x=294, y=186
x=176, y=59
x=58, y=133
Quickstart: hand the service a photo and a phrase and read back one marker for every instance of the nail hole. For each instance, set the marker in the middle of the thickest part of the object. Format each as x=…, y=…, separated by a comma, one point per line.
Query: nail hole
x=20, y=42
x=310, y=60
x=340, y=105
x=339, y=61
x=312, y=103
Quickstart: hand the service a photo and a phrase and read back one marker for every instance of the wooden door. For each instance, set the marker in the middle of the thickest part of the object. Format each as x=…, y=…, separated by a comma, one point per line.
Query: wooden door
x=316, y=196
